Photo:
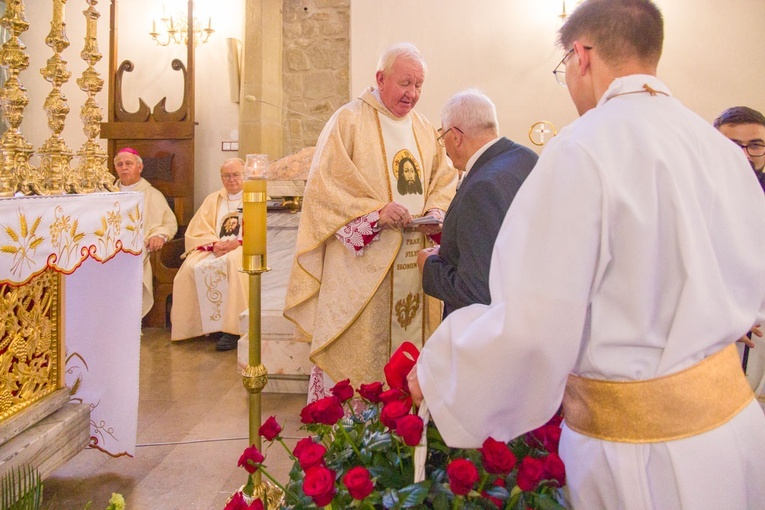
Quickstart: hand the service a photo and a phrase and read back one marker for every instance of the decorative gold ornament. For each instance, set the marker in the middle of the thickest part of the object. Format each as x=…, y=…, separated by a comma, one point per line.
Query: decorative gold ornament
x=15, y=150
x=539, y=131
x=93, y=172
x=269, y=494
x=255, y=379
x=30, y=357
x=406, y=309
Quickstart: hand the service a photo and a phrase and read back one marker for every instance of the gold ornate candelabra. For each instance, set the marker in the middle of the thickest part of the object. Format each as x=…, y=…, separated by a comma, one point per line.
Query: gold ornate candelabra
x=13, y=100
x=55, y=174
x=55, y=167
x=93, y=171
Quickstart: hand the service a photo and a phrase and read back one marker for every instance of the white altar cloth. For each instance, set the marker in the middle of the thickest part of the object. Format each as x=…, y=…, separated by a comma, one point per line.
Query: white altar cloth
x=96, y=240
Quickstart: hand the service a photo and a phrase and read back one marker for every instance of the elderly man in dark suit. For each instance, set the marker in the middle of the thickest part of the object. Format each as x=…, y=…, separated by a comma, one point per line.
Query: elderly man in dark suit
x=492, y=171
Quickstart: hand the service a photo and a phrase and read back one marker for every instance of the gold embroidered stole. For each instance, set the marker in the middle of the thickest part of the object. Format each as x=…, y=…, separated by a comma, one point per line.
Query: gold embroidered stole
x=404, y=164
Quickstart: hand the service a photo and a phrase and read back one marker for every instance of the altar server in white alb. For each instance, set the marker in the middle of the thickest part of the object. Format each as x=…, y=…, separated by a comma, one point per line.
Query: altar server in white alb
x=209, y=291
x=159, y=222
x=627, y=266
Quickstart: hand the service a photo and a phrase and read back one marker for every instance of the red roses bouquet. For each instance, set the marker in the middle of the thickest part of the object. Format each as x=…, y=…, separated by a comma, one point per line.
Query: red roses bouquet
x=361, y=454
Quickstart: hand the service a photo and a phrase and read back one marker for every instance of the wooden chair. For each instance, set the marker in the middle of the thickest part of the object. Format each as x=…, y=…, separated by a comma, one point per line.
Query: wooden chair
x=164, y=264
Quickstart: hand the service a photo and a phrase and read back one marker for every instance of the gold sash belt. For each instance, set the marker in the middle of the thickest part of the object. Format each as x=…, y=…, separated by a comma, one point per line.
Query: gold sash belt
x=679, y=405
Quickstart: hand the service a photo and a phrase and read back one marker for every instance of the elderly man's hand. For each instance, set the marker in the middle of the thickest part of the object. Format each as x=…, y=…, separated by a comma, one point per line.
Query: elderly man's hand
x=423, y=255
x=222, y=247
x=414, y=386
x=434, y=229
x=155, y=243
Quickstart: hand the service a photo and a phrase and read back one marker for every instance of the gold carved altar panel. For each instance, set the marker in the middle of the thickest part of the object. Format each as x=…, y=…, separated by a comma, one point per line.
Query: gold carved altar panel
x=31, y=342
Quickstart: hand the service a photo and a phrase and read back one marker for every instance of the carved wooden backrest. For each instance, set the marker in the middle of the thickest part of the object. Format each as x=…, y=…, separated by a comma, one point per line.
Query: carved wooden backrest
x=165, y=140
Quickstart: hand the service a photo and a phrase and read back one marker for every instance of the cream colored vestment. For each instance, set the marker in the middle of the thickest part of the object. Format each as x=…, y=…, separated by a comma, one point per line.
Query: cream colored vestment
x=226, y=287
x=341, y=302
x=158, y=219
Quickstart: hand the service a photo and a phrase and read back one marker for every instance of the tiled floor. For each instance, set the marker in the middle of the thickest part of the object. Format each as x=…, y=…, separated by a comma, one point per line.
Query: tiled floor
x=192, y=428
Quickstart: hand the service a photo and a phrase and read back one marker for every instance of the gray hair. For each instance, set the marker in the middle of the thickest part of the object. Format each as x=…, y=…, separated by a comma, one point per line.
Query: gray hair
x=232, y=160
x=472, y=112
x=404, y=50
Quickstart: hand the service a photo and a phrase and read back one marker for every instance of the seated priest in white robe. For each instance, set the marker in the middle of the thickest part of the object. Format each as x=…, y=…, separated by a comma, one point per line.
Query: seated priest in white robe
x=159, y=222
x=627, y=267
x=209, y=292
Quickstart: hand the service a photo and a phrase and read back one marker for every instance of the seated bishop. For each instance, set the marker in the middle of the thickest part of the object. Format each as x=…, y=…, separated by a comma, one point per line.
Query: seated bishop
x=209, y=292
x=159, y=222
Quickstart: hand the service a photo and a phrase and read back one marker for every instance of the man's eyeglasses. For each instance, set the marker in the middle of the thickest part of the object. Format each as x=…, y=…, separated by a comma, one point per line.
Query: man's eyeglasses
x=231, y=177
x=440, y=139
x=755, y=150
x=560, y=69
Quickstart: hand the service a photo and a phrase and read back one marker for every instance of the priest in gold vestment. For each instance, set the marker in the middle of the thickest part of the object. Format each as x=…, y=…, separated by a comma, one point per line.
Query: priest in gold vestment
x=209, y=292
x=355, y=290
x=159, y=222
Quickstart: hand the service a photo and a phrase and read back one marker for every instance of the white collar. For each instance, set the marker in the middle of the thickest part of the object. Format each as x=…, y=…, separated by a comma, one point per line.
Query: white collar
x=477, y=154
x=631, y=84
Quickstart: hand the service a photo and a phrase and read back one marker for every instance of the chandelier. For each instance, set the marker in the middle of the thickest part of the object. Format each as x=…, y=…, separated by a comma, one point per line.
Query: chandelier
x=174, y=29
x=564, y=14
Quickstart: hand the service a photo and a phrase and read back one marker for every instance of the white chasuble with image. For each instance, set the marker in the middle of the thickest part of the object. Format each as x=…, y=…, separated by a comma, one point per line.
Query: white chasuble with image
x=211, y=274
x=406, y=180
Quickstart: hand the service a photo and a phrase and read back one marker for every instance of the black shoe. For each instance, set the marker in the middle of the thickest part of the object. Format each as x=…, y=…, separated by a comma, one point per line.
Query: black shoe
x=226, y=342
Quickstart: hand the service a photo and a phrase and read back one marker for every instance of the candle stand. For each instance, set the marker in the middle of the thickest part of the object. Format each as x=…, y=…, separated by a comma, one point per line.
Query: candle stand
x=254, y=263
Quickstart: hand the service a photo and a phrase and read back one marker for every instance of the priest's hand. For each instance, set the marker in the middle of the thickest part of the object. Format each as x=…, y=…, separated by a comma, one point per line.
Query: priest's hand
x=220, y=248
x=394, y=215
x=155, y=243
x=414, y=386
x=423, y=255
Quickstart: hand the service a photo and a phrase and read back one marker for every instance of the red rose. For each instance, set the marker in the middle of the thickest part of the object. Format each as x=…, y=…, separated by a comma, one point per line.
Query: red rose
x=554, y=469
x=557, y=419
x=400, y=365
x=303, y=443
x=358, y=482
x=371, y=392
x=319, y=485
x=342, y=390
x=256, y=505
x=549, y=436
x=311, y=455
x=327, y=411
x=236, y=502
x=388, y=396
x=251, y=459
x=462, y=476
x=270, y=429
x=305, y=414
x=530, y=473
x=497, y=458
x=410, y=428
x=392, y=412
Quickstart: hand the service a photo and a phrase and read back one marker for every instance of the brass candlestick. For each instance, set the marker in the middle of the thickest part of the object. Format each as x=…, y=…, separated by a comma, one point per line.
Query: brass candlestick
x=254, y=263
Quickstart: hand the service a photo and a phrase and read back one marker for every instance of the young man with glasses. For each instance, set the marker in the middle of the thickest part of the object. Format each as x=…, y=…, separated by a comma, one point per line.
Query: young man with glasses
x=746, y=128
x=628, y=265
x=209, y=292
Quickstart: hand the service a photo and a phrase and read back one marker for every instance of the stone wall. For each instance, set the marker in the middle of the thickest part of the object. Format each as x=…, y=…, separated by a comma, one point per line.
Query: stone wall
x=316, y=66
